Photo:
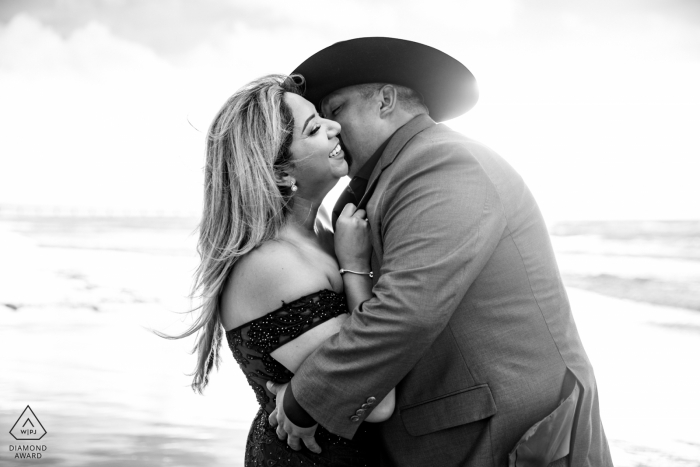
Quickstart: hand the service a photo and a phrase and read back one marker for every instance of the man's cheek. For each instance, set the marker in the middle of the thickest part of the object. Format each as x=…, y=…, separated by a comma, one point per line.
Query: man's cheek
x=347, y=157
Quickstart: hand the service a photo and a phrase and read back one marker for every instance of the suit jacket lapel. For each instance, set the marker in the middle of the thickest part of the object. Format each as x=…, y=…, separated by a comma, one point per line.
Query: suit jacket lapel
x=402, y=136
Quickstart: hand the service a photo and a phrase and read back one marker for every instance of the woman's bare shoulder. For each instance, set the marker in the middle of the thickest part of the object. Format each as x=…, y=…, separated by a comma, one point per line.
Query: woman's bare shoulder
x=273, y=273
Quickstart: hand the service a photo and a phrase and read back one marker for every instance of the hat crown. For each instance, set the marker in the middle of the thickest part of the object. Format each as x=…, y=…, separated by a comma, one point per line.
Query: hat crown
x=448, y=88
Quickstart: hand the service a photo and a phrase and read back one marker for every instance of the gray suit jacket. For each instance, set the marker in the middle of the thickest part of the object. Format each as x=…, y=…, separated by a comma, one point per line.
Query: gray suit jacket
x=469, y=319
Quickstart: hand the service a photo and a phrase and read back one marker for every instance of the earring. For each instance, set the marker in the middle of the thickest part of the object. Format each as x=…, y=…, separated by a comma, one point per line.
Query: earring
x=294, y=186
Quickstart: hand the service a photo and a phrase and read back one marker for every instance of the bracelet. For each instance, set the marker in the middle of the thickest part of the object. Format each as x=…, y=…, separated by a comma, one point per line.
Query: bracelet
x=370, y=274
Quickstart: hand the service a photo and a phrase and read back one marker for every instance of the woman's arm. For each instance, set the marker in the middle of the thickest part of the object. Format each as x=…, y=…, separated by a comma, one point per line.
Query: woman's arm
x=293, y=353
x=353, y=248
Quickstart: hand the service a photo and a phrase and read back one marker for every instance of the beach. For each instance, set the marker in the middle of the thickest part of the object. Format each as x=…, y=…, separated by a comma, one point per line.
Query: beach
x=80, y=296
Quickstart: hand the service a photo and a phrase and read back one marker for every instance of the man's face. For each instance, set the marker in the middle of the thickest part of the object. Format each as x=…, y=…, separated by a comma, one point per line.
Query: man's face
x=360, y=124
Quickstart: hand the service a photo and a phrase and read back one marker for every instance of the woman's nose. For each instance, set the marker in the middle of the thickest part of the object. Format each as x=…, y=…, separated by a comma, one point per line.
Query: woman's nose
x=333, y=128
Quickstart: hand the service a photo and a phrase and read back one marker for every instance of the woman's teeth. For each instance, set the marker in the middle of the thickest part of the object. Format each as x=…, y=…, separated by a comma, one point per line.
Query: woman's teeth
x=336, y=150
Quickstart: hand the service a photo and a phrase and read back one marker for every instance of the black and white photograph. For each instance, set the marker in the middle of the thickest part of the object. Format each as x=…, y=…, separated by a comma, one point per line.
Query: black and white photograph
x=354, y=233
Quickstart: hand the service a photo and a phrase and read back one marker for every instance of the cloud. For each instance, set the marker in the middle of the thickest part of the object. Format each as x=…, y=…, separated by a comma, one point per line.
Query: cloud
x=175, y=26
x=591, y=110
x=95, y=121
x=27, y=46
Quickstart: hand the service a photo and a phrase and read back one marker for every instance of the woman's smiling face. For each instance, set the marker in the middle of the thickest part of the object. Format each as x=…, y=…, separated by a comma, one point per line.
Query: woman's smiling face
x=316, y=152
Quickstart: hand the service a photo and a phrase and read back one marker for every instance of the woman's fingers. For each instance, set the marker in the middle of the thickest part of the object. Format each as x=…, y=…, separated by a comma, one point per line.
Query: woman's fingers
x=360, y=213
x=273, y=418
x=348, y=210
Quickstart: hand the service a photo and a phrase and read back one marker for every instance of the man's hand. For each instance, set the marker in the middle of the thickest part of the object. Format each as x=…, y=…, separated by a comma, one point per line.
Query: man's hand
x=287, y=429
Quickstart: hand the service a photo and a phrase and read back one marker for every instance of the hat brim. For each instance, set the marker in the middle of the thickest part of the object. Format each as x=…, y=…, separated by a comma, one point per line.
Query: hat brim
x=448, y=88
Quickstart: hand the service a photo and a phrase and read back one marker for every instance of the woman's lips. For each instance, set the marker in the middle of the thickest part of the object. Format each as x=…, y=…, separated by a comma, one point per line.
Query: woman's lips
x=336, y=151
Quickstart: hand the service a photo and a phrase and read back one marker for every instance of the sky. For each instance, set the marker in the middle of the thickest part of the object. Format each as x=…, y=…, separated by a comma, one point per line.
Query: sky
x=103, y=103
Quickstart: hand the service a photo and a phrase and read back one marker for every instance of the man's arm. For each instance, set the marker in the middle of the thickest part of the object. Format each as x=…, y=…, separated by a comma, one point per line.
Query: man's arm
x=441, y=220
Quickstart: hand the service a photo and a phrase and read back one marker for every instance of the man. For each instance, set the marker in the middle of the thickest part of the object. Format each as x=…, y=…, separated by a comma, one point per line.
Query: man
x=469, y=320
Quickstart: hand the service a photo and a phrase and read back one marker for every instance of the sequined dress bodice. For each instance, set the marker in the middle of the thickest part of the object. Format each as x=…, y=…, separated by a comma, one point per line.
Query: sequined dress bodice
x=251, y=345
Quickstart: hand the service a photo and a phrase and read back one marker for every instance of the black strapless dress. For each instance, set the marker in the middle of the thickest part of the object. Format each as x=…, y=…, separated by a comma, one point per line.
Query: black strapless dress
x=251, y=345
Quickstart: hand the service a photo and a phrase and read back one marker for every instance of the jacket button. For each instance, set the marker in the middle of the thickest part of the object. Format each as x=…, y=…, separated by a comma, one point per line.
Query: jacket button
x=371, y=400
x=355, y=418
x=365, y=405
x=360, y=412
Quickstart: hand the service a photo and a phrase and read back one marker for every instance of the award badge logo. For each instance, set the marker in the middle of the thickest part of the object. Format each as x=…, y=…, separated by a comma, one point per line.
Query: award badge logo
x=28, y=427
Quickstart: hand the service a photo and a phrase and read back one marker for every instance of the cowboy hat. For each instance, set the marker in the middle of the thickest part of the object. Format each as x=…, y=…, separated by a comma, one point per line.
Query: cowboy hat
x=448, y=88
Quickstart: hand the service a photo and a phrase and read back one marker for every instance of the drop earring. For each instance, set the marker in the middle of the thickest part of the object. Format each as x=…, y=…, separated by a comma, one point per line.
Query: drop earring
x=294, y=185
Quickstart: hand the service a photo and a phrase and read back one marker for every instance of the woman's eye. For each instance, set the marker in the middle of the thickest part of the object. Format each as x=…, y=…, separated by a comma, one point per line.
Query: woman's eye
x=315, y=130
x=335, y=111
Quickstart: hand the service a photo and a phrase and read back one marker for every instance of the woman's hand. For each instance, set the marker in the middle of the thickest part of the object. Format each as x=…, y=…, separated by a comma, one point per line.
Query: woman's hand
x=353, y=246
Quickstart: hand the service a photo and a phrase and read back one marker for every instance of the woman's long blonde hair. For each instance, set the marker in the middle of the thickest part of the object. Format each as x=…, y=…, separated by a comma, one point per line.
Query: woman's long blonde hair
x=247, y=152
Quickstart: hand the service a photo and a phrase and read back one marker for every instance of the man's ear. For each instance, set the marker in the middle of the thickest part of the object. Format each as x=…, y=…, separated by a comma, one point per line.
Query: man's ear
x=388, y=96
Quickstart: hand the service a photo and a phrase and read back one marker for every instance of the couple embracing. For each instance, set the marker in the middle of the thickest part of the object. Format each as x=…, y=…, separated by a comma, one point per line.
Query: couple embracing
x=426, y=324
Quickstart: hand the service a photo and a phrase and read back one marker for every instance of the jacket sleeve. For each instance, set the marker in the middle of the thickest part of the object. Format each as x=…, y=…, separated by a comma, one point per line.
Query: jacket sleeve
x=441, y=219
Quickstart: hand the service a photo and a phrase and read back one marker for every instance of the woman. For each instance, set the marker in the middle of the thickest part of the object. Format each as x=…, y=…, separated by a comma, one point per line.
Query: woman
x=268, y=273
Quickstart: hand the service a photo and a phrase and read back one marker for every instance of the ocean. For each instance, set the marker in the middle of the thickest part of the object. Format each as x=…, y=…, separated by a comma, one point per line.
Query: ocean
x=79, y=297
x=648, y=261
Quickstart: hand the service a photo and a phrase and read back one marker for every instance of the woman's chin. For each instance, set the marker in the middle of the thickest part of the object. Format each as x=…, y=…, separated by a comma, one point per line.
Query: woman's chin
x=340, y=168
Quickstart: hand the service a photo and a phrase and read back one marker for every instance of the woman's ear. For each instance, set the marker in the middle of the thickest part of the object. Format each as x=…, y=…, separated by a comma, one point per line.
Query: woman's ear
x=285, y=179
x=282, y=178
